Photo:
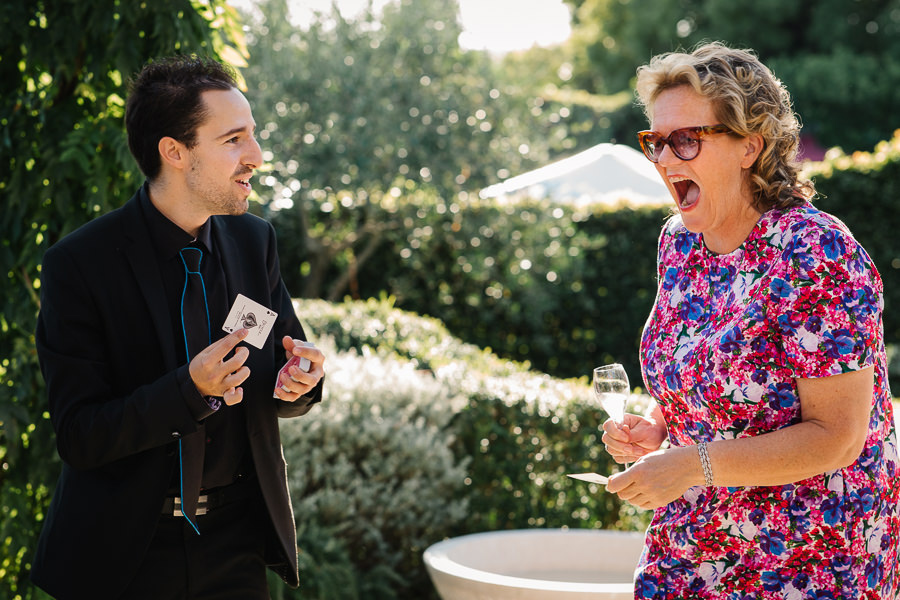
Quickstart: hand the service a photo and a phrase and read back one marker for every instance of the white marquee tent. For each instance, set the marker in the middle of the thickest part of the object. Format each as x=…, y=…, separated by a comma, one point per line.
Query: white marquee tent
x=609, y=173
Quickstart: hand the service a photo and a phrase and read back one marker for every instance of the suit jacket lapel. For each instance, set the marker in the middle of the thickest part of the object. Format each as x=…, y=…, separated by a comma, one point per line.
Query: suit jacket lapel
x=139, y=249
x=238, y=269
x=231, y=258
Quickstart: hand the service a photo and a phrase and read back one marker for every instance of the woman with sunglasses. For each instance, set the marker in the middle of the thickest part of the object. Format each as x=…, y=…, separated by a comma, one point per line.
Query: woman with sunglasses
x=770, y=457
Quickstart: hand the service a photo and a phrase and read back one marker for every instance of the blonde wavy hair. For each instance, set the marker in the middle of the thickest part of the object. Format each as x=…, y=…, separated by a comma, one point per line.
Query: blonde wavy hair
x=749, y=99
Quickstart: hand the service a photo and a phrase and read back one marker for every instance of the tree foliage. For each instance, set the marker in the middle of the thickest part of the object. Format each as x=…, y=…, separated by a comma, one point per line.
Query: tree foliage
x=362, y=107
x=357, y=103
x=365, y=104
x=64, y=66
x=837, y=58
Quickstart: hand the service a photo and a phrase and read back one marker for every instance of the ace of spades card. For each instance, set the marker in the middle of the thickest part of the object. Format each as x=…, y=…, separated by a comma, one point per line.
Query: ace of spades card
x=252, y=316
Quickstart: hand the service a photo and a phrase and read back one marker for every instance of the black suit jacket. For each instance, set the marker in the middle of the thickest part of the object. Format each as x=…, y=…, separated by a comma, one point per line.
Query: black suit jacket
x=106, y=347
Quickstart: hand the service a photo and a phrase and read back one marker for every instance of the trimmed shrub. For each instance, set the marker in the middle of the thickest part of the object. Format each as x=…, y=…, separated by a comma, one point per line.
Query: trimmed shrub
x=422, y=437
x=373, y=477
x=863, y=189
x=524, y=432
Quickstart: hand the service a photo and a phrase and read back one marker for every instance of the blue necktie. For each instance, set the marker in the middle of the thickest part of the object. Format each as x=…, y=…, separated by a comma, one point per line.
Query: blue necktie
x=194, y=305
x=197, y=336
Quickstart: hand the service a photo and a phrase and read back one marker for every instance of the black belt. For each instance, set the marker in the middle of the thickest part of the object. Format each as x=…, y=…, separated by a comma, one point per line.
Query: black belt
x=215, y=498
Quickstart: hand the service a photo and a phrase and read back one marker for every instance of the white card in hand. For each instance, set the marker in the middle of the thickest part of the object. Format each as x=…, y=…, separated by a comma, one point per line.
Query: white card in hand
x=592, y=477
x=252, y=316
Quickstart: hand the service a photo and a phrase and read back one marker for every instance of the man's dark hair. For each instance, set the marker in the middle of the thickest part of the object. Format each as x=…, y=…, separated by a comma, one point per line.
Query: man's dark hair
x=165, y=100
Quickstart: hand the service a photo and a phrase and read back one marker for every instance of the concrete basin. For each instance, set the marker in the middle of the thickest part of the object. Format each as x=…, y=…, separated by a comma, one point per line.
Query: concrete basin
x=536, y=564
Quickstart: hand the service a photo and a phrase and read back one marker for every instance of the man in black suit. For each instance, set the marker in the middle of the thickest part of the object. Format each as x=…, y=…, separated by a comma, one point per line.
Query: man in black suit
x=173, y=483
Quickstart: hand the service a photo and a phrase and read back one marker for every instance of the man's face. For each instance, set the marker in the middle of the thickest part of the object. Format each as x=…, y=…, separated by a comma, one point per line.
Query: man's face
x=225, y=155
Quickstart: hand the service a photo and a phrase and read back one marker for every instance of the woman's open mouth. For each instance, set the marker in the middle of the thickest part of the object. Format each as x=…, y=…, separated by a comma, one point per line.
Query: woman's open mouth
x=688, y=191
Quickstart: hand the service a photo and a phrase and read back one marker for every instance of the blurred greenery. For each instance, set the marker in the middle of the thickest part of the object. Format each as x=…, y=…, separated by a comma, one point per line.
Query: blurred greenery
x=424, y=437
x=64, y=65
x=837, y=58
x=562, y=287
x=363, y=108
x=379, y=131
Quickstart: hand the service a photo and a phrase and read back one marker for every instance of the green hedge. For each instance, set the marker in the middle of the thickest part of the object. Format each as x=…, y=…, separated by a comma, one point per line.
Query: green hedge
x=422, y=437
x=373, y=477
x=863, y=189
x=561, y=287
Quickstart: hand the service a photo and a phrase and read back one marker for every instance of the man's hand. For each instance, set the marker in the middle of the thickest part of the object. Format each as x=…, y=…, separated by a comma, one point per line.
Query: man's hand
x=295, y=383
x=215, y=376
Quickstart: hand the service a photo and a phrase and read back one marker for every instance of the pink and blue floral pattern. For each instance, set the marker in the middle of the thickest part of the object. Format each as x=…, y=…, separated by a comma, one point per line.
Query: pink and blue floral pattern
x=720, y=352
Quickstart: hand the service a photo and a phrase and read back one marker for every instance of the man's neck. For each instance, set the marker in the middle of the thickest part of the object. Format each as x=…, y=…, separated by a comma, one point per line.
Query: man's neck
x=175, y=206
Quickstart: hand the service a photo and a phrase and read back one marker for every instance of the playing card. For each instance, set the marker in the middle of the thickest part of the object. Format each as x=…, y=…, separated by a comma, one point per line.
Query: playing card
x=253, y=316
x=592, y=477
x=300, y=362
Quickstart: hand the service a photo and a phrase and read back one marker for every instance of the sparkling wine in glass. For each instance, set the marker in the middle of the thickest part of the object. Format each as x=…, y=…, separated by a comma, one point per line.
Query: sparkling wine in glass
x=612, y=389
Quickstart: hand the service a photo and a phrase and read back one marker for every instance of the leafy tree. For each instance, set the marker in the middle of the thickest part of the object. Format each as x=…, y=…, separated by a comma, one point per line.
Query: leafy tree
x=64, y=66
x=361, y=106
x=357, y=103
x=837, y=58
x=569, y=119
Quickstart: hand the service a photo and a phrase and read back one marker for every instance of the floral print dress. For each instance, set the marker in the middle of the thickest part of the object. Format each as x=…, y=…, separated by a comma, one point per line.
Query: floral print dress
x=720, y=352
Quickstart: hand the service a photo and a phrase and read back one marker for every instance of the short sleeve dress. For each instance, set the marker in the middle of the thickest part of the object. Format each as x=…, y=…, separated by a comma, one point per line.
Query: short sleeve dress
x=720, y=352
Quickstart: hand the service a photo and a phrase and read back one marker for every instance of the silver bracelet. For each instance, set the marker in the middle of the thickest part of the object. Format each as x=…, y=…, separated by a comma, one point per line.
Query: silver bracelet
x=704, y=462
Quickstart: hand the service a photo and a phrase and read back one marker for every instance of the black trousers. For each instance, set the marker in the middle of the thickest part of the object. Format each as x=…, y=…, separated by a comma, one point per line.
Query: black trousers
x=225, y=562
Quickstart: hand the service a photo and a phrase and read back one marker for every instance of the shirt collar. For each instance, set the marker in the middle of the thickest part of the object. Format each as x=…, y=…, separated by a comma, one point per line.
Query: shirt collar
x=168, y=237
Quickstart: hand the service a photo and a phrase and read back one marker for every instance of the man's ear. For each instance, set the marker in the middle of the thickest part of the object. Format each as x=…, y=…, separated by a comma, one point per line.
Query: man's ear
x=173, y=152
x=753, y=147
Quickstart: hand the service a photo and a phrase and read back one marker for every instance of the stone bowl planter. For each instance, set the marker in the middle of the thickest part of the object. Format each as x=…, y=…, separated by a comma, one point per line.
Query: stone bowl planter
x=536, y=564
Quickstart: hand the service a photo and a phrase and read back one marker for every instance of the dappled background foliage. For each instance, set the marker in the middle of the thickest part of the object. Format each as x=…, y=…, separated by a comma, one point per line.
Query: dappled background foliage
x=563, y=287
x=425, y=436
x=378, y=132
x=357, y=103
x=64, y=66
x=837, y=58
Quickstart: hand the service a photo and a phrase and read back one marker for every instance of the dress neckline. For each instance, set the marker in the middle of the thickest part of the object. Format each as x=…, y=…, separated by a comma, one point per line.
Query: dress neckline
x=761, y=225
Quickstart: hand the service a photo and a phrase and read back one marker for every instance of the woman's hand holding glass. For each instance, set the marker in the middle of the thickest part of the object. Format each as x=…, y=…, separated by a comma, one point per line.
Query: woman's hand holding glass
x=627, y=437
x=634, y=438
x=658, y=476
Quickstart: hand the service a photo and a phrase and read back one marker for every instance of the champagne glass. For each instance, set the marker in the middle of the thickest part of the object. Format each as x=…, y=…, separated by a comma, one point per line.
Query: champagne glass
x=612, y=389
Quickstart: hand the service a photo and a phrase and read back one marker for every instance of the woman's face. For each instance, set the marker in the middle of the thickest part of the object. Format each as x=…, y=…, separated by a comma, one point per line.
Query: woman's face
x=710, y=190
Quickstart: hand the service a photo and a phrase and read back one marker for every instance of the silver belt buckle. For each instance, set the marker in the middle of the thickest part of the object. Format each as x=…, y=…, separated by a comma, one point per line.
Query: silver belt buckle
x=201, y=506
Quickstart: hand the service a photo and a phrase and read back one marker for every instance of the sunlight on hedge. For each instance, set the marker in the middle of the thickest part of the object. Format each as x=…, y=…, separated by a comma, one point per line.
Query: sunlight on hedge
x=421, y=437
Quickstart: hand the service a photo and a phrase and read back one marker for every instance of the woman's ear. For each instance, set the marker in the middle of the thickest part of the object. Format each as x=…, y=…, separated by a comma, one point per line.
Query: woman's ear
x=753, y=145
x=173, y=153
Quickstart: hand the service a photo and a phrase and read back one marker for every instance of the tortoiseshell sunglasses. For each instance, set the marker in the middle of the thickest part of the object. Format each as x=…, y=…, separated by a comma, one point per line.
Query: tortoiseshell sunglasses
x=684, y=142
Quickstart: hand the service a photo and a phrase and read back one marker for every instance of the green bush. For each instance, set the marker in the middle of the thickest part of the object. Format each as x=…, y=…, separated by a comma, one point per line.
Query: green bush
x=561, y=288
x=524, y=433
x=377, y=325
x=373, y=467
x=421, y=437
x=863, y=190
